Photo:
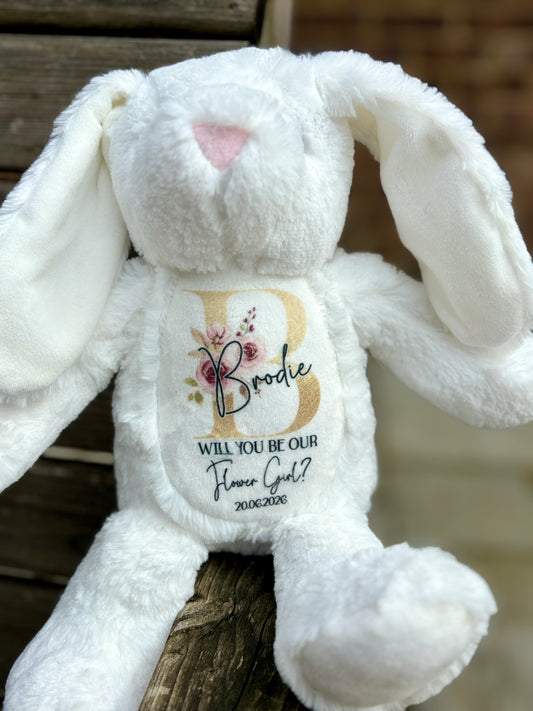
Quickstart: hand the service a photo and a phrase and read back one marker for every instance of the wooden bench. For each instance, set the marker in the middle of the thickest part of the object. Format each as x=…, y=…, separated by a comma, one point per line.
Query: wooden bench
x=49, y=518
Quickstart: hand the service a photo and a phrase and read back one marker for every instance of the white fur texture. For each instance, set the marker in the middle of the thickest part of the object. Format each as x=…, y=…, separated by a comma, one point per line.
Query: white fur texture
x=100, y=646
x=359, y=626
x=450, y=200
x=62, y=244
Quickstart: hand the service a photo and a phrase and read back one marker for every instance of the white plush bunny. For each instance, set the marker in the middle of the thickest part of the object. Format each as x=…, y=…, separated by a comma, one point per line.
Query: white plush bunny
x=242, y=408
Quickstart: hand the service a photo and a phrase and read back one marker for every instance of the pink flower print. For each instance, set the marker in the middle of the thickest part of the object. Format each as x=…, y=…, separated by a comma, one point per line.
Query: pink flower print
x=254, y=353
x=206, y=373
x=247, y=325
x=227, y=361
x=218, y=334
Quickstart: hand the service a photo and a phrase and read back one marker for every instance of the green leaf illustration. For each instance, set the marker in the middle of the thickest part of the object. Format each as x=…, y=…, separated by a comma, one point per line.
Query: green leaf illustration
x=198, y=397
x=191, y=396
x=192, y=382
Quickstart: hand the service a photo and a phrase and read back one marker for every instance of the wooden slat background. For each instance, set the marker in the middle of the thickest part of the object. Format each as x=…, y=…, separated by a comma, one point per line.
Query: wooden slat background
x=43, y=72
x=201, y=18
x=82, y=495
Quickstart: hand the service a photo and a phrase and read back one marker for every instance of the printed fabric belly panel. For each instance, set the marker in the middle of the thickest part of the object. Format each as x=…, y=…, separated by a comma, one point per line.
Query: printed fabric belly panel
x=250, y=412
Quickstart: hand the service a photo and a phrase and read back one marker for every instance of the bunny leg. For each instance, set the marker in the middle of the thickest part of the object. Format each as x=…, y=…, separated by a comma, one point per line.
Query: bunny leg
x=99, y=648
x=360, y=626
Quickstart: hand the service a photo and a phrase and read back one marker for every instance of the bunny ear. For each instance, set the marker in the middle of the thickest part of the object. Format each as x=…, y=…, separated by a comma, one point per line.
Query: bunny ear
x=450, y=200
x=62, y=242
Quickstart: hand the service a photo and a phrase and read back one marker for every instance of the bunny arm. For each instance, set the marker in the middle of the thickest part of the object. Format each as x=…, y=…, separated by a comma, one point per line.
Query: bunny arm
x=397, y=324
x=31, y=422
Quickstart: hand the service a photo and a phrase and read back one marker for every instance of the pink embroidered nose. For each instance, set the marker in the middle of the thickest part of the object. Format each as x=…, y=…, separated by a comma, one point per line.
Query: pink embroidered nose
x=220, y=144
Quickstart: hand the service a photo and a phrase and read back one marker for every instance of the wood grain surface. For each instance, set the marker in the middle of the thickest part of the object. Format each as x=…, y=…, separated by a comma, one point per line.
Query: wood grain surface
x=48, y=520
x=26, y=604
x=41, y=74
x=226, y=18
x=93, y=429
x=219, y=653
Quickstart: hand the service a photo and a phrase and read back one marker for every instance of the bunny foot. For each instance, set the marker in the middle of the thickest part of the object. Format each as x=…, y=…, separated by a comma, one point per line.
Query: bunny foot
x=47, y=678
x=99, y=648
x=396, y=625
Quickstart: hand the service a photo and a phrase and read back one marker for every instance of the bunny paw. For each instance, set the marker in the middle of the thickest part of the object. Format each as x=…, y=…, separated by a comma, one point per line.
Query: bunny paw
x=402, y=623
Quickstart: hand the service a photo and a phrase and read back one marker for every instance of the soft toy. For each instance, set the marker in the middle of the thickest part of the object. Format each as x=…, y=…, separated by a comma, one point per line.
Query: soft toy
x=242, y=408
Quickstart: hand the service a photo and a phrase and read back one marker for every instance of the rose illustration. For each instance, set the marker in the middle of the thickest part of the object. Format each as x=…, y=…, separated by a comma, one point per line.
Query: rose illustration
x=206, y=373
x=227, y=358
x=254, y=353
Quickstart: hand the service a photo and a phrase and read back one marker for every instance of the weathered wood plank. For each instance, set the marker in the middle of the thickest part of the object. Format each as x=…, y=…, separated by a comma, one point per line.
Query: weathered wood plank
x=229, y=18
x=7, y=183
x=49, y=518
x=47, y=523
x=219, y=653
x=40, y=74
x=93, y=429
x=25, y=608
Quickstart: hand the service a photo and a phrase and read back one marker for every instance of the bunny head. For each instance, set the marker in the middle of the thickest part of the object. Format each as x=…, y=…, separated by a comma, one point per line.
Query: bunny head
x=245, y=159
x=232, y=160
